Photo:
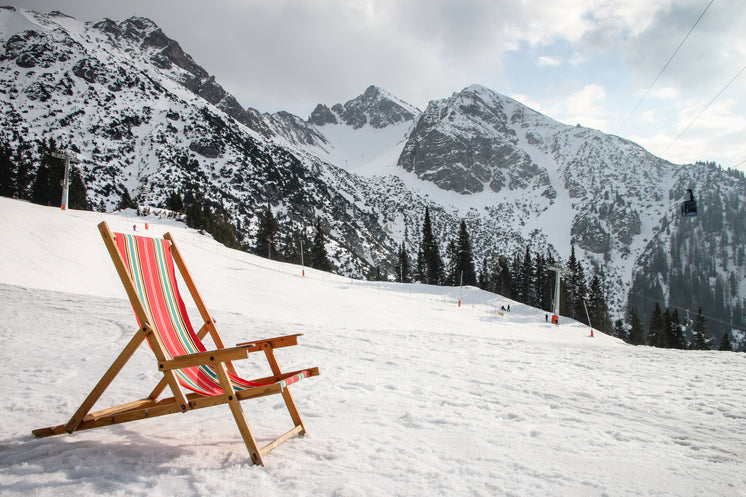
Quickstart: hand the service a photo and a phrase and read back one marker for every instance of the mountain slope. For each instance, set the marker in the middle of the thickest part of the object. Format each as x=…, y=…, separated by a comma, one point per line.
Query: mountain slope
x=148, y=121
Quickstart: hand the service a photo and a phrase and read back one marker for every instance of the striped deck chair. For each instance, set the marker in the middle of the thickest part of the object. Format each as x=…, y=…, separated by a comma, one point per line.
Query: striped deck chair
x=196, y=377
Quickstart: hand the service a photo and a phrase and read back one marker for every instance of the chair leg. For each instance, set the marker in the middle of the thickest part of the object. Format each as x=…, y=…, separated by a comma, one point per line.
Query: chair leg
x=238, y=415
x=293, y=410
x=246, y=434
x=289, y=402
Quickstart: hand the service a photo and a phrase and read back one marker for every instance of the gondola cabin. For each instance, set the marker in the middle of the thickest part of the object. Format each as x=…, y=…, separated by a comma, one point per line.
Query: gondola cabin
x=689, y=207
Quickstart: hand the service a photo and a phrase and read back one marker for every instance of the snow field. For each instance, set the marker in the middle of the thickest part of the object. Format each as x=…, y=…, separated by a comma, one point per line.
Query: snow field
x=417, y=396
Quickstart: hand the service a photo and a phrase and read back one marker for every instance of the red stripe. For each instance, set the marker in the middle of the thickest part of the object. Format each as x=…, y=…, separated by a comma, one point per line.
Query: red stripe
x=148, y=267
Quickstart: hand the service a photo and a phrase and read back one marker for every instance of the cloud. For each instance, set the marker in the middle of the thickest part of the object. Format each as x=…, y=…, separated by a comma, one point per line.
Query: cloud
x=665, y=93
x=648, y=117
x=586, y=107
x=577, y=58
x=716, y=134
x=713, y=52
x=546, y=61
x=292, y=54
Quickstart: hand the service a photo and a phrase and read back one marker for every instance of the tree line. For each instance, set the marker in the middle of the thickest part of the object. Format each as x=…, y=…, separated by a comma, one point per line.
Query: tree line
x=42, y=184
x=295, y=246
x=667, y=329
x=525, y=276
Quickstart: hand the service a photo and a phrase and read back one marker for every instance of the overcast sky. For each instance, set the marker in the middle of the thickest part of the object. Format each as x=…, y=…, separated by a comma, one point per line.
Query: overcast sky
x=578, y=61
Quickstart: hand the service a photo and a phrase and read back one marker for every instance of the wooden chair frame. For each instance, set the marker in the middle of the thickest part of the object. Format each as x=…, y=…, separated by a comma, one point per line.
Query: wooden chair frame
x=220, y=359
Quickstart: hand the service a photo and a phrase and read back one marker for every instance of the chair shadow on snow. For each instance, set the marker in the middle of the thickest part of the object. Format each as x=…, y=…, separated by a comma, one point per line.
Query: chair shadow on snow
x=108, y=465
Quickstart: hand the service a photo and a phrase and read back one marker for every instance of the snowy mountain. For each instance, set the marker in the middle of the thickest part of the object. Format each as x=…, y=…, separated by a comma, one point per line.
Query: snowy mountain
x=147, y=121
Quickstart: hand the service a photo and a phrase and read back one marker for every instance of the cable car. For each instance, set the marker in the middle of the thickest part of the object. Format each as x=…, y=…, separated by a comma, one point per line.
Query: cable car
x=689, y=207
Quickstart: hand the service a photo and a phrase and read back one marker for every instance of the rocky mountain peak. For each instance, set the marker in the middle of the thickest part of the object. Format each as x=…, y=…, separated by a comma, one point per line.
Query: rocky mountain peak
x=466, y=144
x=375, y=107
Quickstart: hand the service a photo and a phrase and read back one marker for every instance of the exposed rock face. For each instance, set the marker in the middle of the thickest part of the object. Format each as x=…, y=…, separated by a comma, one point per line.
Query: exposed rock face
x=467, y=143
x=588, y=233
x=375, y=107
x=322, y=115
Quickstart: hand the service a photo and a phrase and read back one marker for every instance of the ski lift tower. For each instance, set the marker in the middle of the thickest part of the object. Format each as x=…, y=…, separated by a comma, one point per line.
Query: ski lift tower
x=558, y=272
x=69, y=157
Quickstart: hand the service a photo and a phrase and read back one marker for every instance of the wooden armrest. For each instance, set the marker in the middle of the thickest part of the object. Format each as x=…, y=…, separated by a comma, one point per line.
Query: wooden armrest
x=283, y=341
x=208, y=357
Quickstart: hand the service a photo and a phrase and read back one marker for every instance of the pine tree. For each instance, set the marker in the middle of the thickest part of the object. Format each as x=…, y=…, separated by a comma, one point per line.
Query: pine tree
x=319, y=257
x=725, y=343
x=464, y=271
x=431, y=262
x=77, y=195
x=7, y=171
x=175, y=202
x=662, y=338
x=402, y=268
x=195, y=214
x=597, y=306
x=518, y=277
x=548, y=288
x=289, y=249
x=450, y=276
x=498, y=276
x=619, y=330
x=126, y=202
x=541, y=288
x=636, y=330
x=528, y=277
x=505, y=277
x=576, y=289
x=656, y=327
x=46, y=188
x=484, y=275
x=266, y=236
x=701, y=339
x=23, y=177
x=675, y=334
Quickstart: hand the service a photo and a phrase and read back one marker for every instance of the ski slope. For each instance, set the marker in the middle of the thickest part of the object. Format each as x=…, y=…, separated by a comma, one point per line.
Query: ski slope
x=417, y=396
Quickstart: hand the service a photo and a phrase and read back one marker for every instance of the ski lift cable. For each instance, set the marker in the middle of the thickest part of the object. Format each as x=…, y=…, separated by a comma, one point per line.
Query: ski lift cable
x=703, y=110
x=682, y=308
x=665, y=66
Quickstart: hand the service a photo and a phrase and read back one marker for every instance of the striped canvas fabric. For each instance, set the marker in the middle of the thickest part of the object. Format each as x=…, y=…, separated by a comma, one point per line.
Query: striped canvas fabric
x=151, y=267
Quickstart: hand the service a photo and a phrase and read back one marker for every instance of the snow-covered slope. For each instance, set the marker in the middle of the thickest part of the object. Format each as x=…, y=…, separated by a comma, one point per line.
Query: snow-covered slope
x=417, y=396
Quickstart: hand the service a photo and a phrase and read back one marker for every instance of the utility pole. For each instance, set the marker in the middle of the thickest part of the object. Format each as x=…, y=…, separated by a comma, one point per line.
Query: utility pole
x=558, y=272
x=69, y=157
x=302, y=265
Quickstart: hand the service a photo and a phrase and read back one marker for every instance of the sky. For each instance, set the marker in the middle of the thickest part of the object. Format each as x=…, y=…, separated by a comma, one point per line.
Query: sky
x=592, y=62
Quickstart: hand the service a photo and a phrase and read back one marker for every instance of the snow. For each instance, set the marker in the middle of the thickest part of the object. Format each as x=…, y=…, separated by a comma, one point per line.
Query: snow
x=417, y=395
x=366, y=151
x=16, y=21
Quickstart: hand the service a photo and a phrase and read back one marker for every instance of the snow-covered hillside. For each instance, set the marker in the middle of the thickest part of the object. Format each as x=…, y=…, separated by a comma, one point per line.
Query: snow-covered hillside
x=417, y=396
